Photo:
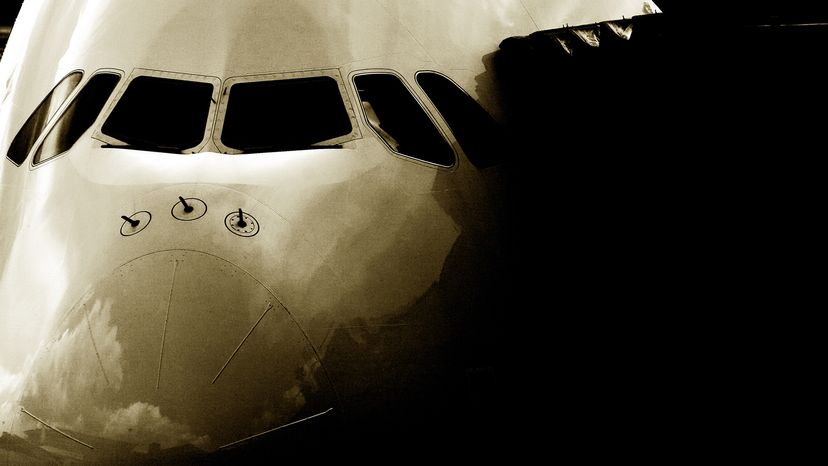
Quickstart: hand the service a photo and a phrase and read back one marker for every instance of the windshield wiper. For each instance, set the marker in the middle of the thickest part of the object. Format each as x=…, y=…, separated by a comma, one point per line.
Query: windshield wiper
x=145, y=147
x=286, y=147
x=178, y=150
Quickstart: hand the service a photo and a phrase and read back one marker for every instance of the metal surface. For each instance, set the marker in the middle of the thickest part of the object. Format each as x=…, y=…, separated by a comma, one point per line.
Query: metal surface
x=23, y=410
x=141, y=369
x=229, y=445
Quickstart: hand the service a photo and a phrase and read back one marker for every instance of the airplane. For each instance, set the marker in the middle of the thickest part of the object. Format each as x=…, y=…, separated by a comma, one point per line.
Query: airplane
x=254, y=229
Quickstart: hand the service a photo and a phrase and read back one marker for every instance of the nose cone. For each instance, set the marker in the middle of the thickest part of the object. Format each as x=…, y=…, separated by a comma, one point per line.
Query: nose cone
x=176, y=353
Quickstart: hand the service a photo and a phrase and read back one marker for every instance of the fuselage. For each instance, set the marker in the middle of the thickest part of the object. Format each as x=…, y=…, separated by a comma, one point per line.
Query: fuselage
x=361, y=285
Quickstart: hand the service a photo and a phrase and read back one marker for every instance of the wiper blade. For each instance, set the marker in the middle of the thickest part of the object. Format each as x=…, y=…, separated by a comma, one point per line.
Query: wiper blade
x=283, y=148
x=145, y=147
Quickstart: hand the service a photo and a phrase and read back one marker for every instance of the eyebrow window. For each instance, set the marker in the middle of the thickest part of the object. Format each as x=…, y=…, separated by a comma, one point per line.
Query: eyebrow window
x=28, y=134
x=399, y=120
x=162, y=113
x=475, y=130
x=285, y=114
x=78, y=117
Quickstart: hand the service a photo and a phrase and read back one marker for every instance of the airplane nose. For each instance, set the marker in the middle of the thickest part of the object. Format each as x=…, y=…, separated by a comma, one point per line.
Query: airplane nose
x=176, y=352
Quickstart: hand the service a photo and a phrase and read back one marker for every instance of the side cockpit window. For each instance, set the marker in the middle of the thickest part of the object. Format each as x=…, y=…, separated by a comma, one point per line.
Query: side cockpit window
x=167, y=113
x=399, y=120
x=475, y=130
x=79, y=116
x=34, y=126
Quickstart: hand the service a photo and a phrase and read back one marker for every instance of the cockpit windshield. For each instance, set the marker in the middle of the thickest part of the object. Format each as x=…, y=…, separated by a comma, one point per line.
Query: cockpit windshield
x=161, y=112
x=284, y=114
x=168, y=112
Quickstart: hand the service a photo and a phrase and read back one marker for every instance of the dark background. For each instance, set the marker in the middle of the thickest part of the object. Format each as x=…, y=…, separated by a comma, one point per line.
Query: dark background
x=8, y=11
x=676, y=174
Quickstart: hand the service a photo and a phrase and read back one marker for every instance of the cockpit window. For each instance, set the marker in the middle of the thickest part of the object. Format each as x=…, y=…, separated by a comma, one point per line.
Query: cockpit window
x=160, y=112
x=399, y=119
x=28, y=134
x=78, y=117
x=476, y=131
x=284, y=114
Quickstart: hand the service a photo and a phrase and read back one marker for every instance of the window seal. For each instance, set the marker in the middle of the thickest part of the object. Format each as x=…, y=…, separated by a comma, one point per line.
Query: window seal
x=141, y=72
x=51, y=120
x=327, y=72
x=63, y=108
x=422, y=105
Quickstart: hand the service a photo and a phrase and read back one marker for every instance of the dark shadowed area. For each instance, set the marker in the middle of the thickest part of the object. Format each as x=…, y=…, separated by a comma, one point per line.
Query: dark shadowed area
x=664, y=162
x=8, y=12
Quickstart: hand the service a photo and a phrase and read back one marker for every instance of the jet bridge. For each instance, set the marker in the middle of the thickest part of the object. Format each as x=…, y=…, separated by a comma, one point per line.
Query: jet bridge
x=685, y=80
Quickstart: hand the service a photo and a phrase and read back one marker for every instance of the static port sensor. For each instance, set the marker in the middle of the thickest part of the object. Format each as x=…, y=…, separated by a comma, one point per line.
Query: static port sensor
x=135, y=223
x=188, y=209
x=241, y=223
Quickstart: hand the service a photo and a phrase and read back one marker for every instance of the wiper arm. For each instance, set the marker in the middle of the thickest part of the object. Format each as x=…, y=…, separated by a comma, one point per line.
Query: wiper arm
x=145, y=147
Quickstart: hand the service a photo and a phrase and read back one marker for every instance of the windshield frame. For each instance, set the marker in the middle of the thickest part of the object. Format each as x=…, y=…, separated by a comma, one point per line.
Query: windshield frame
x=140, y=72
x=330, y=73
